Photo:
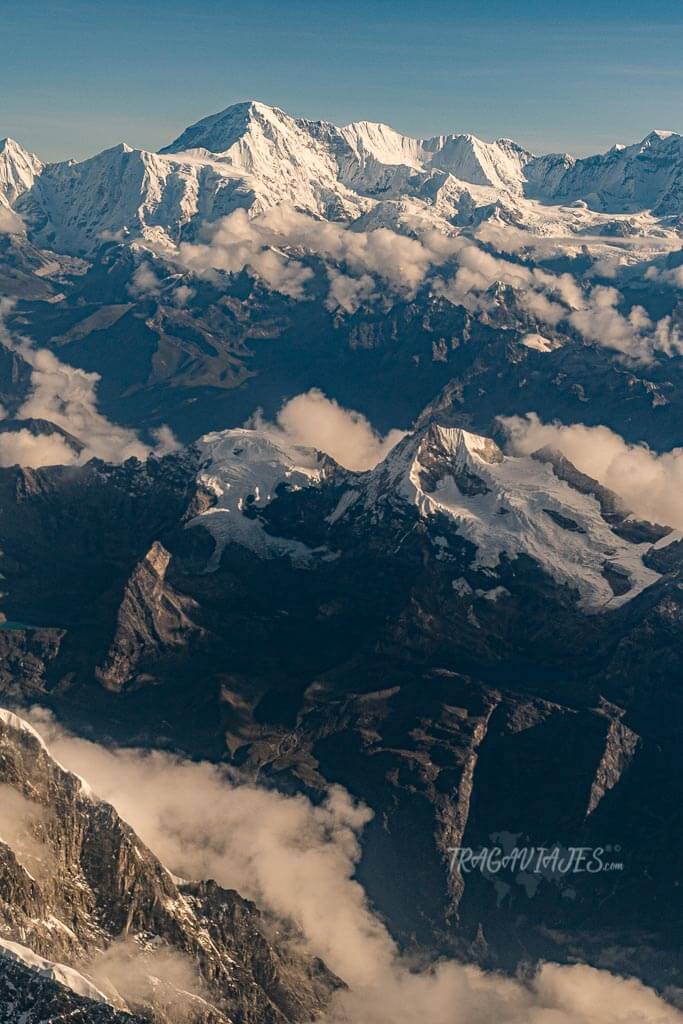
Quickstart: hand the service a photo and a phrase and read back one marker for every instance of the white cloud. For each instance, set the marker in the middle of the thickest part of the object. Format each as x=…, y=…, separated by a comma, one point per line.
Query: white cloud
x=633, y=334
x=348, y=293
x=552, y=298
x=285, y=853
x=454, y=994
x=673, y=277
x=21, y=822
x=316, y=421
x=650, y=484
x=10, y=222
x=113, y=236
x=364, y=264
x=144, y=283
x=546, y=296
x=298, y=860
x=235, y=243
x=676, y=276
x=271, y=245
x=22, y=448
x=182, y=295
x=67, y=397
x=607, y=266
x=166, y=441
x=161, y=977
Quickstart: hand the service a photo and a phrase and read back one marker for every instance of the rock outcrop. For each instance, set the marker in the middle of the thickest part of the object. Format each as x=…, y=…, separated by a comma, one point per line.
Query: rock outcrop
x=79, y=888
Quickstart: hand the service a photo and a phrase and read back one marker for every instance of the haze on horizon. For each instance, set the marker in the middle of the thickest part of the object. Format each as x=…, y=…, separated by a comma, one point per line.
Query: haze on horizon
x=79, y=77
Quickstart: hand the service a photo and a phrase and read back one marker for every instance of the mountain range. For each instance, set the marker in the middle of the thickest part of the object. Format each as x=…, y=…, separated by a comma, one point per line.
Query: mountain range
x=254, y=157
x=346, y=462
x=410, y=632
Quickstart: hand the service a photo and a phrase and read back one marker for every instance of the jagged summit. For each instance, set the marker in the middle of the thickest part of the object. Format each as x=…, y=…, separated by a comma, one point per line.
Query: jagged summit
x=18, y=170
x=509, y=506
x=13, y=148
x=658, y=133
x=77, y=882
x=433, y=450
x=238, y=127
x=506, y=506
x=254, y=156
x=218, y=132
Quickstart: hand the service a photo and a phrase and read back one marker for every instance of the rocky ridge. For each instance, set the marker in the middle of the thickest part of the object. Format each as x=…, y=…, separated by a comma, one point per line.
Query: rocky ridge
x=78, y=887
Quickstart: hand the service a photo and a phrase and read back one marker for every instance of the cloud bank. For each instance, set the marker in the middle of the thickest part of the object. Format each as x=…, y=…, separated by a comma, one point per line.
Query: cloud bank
x=363, y=266
x=298, y=860
x=649, y=483
x=10, y=222
x=316, y=421
x=161, y=978
x=672, y=277
x=21, y=825
x=67, y=397
x=144, y=283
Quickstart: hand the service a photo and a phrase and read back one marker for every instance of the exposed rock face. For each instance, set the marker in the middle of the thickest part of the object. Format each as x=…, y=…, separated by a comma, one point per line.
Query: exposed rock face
x=31, y=998
x=462, y=696
x=76, y=884
x=151, y=620
x=620, y=748
x=25, y=656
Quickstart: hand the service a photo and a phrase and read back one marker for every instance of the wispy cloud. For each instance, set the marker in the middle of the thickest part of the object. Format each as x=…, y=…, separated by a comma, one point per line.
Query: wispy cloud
x=67, y=397
x=298, y=860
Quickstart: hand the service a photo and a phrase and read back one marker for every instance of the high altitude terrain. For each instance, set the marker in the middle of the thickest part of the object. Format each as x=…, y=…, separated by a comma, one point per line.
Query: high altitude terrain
x=376, y=267
x=460, y=623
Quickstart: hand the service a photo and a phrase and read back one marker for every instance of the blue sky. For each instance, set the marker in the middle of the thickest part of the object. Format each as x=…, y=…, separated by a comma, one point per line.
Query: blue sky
x=77, y=76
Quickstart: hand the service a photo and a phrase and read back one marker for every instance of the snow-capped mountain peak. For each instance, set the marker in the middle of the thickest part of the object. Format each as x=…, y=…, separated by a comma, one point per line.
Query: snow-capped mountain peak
x=509, y=506
x=658, y=133
x=244, y=470
x=218, y=132
x=645, y=175
x=253, y=156
x=245, y=132
x=18, y=170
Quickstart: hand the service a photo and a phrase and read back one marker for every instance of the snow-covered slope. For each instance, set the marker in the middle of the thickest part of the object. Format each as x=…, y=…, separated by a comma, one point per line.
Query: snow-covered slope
x=647, y=175
x=122, y=194
x=505, y=506
x=18, y=170
x=511, y=506
x=244, y=470
x=60, y=973
x=255, y=157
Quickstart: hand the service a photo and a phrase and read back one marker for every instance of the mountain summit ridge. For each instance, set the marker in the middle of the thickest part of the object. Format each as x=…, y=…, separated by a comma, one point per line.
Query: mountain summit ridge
x=253, y=156
x=449, y=480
